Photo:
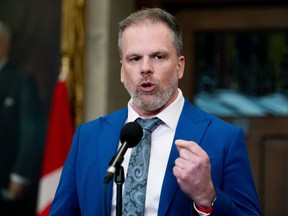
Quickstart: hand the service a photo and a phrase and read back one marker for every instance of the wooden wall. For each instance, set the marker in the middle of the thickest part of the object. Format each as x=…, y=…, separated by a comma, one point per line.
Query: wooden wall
x=266, y=137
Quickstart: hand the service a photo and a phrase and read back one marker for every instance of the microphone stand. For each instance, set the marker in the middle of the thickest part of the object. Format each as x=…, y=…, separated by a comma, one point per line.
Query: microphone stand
x=119, y=180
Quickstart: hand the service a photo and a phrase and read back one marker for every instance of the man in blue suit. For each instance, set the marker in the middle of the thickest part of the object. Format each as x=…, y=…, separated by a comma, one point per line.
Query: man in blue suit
x=199, y=164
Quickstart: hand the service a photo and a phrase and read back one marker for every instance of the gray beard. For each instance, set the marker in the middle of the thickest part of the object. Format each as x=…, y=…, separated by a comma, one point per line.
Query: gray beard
x=161, y=97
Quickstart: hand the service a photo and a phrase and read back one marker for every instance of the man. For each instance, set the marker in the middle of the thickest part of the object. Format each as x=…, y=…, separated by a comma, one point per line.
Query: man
x=198, y=165
x=19, y=158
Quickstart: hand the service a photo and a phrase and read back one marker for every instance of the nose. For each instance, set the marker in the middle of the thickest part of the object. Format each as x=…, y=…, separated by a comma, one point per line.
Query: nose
x=146, y=66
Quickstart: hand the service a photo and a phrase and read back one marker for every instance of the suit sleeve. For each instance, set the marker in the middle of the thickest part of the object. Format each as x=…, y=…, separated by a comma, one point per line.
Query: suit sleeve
x=235, y=189
x=66, y=198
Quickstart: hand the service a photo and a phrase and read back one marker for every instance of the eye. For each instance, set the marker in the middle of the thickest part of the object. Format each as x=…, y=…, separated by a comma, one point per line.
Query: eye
x=158, y=57
x=134, y=59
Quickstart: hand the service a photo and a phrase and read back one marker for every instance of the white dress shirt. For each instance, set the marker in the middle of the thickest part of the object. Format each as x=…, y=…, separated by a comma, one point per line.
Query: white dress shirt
x=162, y=138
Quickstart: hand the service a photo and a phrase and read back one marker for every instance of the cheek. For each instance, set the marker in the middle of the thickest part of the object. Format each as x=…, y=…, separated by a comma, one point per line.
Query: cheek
x=171, y=75
x=127, y=79
x=170, y=80
x=129, y=75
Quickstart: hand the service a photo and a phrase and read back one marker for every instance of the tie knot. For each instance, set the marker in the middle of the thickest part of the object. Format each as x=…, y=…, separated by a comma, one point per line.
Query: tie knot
x=149, y=124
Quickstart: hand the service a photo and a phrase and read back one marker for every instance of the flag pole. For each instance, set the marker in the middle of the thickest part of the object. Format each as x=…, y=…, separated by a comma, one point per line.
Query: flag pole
x=72, y=52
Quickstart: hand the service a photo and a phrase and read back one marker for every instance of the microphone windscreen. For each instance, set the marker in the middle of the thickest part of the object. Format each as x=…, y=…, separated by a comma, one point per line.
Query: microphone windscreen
x=131, y=133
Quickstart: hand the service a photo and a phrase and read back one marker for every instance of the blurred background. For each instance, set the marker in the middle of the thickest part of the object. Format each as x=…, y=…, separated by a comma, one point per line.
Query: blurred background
x=236, y=68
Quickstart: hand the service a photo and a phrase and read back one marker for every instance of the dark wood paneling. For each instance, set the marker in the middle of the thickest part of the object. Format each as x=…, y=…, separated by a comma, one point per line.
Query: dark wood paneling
x=176, y=5
x=274, y=174
x=266, y=136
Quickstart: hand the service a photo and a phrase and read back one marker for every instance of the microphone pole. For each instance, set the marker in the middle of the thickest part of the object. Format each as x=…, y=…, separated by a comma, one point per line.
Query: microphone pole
x=130, y=136
x=119, y=180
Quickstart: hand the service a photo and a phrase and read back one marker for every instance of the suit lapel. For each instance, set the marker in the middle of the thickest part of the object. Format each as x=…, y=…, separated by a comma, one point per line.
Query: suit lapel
x=109, y=134
x=191, y=126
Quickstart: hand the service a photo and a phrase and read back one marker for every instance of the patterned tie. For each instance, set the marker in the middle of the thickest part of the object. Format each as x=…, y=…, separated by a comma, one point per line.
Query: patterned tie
x=136, y=180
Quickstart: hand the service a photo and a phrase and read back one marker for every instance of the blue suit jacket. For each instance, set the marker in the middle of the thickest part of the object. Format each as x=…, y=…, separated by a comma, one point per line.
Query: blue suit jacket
x=80, y=191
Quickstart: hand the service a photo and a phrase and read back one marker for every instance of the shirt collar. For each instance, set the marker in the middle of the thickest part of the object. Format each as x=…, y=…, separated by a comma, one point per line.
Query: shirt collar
x=170, y=115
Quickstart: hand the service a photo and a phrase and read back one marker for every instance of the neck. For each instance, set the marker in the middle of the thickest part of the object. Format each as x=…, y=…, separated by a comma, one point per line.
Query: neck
x=151, y=113
x=146, y=113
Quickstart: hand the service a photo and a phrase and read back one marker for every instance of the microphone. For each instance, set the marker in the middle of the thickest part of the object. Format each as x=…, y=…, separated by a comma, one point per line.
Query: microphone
x=130, y=136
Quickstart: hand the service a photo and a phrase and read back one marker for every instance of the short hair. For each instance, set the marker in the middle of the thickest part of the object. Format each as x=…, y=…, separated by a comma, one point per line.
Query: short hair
x=5, y=31
x=152, y=15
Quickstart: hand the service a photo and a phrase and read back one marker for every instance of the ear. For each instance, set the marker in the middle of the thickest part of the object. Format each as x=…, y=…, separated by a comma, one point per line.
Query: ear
x=180, y=66
x=121, y=72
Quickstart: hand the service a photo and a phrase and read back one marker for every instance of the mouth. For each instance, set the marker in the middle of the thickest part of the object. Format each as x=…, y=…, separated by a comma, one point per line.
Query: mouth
x=147, y=87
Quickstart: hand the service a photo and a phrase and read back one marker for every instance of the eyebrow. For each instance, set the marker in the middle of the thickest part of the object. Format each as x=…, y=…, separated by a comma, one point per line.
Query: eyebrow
x=159, y=52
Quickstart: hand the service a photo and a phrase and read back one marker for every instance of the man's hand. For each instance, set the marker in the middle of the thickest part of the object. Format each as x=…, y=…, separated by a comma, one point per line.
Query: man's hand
x=16, y=189
x=193, y=173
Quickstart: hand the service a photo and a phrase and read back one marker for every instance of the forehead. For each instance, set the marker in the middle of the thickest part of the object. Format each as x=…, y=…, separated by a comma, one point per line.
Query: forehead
x=147, y=34
x=149, y=27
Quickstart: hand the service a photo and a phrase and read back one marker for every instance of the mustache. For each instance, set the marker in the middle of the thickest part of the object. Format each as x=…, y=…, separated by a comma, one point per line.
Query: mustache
x=147, y=78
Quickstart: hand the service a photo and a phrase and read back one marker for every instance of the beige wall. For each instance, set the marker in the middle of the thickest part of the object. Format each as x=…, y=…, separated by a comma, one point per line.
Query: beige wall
x=103, y=90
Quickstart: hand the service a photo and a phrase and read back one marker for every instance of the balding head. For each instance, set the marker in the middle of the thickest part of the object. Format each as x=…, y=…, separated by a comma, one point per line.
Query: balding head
x=152, y=15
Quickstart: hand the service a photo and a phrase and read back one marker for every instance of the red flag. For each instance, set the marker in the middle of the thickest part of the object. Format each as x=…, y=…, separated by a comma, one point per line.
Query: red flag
x=57, y=145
